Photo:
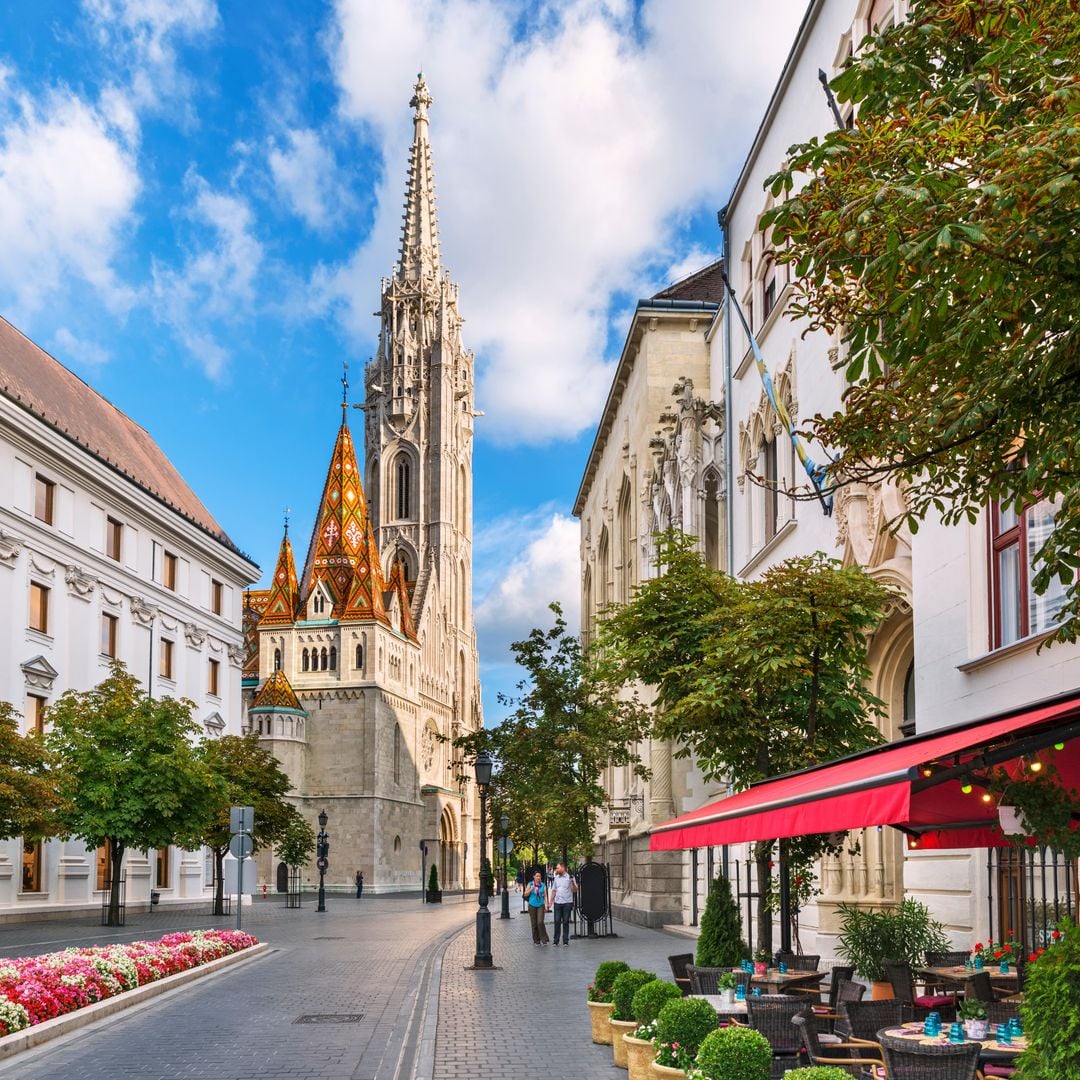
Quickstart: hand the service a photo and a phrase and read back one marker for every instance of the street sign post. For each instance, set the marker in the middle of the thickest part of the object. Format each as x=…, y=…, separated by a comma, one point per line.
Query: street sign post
x=505, y=846
x=241, y=846
x=241, y=825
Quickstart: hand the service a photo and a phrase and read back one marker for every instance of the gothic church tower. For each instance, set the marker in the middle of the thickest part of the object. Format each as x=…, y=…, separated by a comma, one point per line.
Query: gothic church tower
x=420, y=410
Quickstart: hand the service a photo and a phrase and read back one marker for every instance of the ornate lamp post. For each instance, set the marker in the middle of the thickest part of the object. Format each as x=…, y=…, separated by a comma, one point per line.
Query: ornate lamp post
x=322, y=850
x=504, y=822
x=482, y=959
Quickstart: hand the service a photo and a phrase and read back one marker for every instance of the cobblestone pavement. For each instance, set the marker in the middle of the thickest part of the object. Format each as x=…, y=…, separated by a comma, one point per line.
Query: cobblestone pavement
x=532, y=1012
x=373, y=957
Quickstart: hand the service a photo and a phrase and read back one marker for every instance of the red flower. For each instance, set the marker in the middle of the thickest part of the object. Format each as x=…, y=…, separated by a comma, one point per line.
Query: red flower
x=978, y=944
x=1056, y=935
x=1040, y=951
x=1032, y=958
x=997, y=956
x=1008, y=948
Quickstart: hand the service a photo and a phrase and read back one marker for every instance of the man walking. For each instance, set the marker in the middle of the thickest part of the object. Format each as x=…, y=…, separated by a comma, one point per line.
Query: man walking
x=563, y=887
x=359, y=884
x=536, y=891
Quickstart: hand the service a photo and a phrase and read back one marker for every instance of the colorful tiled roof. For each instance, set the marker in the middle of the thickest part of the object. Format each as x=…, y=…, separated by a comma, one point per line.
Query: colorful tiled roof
x=284, y=593
x=276, y=693
x=397, y=585
x=41, y=385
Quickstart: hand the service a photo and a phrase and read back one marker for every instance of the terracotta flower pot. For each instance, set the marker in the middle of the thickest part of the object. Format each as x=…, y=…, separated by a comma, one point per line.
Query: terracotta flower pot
x=620, y=1029
x=600, y=1018
x=761, y=967
x=639, y=1056
x=664, y=1072
x=881, y=990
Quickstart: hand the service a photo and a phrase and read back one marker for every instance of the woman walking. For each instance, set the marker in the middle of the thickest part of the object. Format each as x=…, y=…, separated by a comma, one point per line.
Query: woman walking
x=536, y=891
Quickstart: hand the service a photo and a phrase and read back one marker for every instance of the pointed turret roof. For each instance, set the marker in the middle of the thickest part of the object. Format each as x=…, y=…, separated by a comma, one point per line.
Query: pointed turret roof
x=284, y=591
x=420, y=231
x=398, y=587
x=365, y=600
x=276, y=694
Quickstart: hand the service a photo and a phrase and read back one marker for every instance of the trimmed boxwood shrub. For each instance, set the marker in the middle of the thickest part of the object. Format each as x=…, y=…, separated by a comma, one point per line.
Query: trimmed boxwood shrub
x=720, y=943
x=735, y=1053
x=651, y=998
x=686, y=1022
x=1051, y=1010
x=818, y=1072
x=604, y=979
x=623, y=990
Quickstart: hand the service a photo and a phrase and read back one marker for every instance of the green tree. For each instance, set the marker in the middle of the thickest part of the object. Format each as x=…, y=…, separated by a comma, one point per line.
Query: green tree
x=567, y=726
x=720, y=943
x=939, y=237
x=296, y=844
x=128, y=771
x=753, y=678
x=247, y=775
x=28, y=799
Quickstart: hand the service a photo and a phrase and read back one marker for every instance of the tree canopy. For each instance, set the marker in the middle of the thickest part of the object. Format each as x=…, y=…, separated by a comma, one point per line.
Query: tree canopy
x=567, y=726
x=28, y=798
x=939, y=237
x=128, y=771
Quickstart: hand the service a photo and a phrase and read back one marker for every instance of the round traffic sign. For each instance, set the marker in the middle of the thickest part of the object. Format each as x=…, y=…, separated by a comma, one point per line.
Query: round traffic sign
x=505, y=845
x=241, y=846
x=322, y=864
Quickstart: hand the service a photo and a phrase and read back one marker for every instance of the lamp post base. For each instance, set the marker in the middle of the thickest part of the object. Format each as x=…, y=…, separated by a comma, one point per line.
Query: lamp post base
x=322, y=896
x=505, y=912
x=482, y=959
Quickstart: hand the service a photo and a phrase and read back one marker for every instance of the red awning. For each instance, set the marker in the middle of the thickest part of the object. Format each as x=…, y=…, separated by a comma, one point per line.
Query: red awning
x=888, y=785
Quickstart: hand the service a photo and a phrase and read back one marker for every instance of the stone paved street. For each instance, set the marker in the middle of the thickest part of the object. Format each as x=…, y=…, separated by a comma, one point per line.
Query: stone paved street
x=381, y=958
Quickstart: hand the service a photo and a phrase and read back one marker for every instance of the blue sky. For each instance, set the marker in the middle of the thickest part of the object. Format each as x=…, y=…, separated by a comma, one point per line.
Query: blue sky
x=198, y=200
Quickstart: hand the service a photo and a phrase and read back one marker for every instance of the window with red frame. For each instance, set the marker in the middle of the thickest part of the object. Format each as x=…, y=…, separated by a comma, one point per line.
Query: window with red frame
x=1015, y=541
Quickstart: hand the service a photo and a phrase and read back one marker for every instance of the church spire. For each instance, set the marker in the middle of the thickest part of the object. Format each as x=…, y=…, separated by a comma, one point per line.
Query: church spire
x=284, y=593
x=420, y=231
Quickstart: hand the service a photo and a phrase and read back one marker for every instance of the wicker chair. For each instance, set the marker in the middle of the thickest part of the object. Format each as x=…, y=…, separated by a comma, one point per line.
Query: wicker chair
x=826, y=1011
x=917, y=1007
x=771, y=1015
x=979, y=987
x=1001, y=1012
x=848, y=991
x=799, y=961
x=857, y=1058
x=866, y=1018
x=907, y=1060
x=678, y=965
x=947, y=959
x=705, y=980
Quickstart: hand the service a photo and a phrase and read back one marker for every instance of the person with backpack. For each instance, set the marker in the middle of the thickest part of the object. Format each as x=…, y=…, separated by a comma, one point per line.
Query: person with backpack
x=537, y=895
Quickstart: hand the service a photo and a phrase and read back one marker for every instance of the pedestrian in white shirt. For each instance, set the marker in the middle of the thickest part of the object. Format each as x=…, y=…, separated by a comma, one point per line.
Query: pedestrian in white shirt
x=563, y=887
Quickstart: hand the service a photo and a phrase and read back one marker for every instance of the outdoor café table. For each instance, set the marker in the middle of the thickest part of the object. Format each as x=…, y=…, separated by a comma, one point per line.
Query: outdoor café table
x=961, y=974
x=991, y=1050
x=736, y=1008
x=772, y=982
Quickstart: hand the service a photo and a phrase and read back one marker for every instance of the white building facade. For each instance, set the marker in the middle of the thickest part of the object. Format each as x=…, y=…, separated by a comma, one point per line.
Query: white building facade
x=105, y=554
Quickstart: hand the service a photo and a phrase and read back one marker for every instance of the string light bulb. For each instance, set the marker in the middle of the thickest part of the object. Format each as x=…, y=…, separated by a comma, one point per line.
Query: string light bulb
x=987, y=797
x=1059, y=746
x=965, y=787
x=927, y=771
x=1035, y=765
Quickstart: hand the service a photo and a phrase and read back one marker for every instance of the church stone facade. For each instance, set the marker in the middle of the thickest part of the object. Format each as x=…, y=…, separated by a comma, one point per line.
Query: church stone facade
x=362, y=668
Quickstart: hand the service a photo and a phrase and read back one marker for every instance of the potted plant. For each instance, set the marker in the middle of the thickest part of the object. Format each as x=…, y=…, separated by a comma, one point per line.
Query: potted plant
x=646, y=1006
x=720, y=943
x=972, y=1012
x=1051, y=1006
x=869, y=938
x=622, y=1021
x=761, y=961
x=681, y=1027
x=726, y=984
x=818, y=1072
x=434, y=893
x=734, y=1053
x=600, y=1003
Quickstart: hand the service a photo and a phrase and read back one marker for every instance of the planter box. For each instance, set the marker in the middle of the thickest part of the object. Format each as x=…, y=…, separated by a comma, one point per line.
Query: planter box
x=662, y=1072
x=620, y=1028
x=434, y=896
x=600, y=1019
x=639, y=1056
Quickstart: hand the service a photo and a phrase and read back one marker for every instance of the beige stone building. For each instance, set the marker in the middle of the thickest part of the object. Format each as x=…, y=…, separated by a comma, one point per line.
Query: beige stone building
x=364, y=665
x=657, y=461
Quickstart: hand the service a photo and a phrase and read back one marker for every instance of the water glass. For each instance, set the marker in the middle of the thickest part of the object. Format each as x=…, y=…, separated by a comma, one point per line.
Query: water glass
x=740, y=992
x=1015, y=1028
x=756, y=991
x=1004, y=1036
x=978, y=963
x=1004, y=969
x=782, y=967
x=956, y=1032
x=967, y=965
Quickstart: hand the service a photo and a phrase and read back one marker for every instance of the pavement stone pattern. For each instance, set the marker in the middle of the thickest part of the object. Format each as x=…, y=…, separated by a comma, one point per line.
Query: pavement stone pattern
x=365, y=956
x=532, y=1011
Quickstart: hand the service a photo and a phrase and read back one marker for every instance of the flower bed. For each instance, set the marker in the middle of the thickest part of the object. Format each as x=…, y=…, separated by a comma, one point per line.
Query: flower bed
x=38, y=988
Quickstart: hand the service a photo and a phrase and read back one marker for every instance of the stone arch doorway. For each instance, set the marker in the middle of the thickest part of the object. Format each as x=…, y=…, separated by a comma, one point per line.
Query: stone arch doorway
x=448, y=851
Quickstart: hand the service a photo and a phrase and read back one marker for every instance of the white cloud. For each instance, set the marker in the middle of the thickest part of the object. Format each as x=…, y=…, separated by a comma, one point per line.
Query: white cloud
x=305, y=174
x=215, y=284
x=68, y=347
x=544, y=569
x=68, y=185
x=570, y=148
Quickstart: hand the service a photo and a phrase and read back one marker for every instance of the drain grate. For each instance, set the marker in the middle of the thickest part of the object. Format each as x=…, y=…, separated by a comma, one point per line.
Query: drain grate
x=330, y=1018
x=329, y=939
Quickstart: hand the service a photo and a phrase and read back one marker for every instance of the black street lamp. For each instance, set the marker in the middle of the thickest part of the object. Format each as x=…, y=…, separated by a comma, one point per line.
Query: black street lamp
x=482, y=959
x=322, y=850
x=504, y=821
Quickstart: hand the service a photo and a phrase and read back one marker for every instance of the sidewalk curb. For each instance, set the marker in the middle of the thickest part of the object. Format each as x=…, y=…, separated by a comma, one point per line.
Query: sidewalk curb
x=13, y=1044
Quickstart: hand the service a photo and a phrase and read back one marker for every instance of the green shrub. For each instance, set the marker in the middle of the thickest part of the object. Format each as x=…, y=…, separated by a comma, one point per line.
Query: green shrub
x=720, y=943
x=604, y=979
x=817, y=1072
x=623, y=990
x=735, y=1053
x=1051, y=1011
x=433, y=879
x=651, y=998
x=686, y=1022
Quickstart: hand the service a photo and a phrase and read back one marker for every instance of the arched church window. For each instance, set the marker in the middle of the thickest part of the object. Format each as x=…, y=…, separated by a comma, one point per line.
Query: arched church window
x=359, y=656
x=333, y=658
x=305, y=660
x=277, y=659
x=323, y=658
x=319, y=605
x=402, y=482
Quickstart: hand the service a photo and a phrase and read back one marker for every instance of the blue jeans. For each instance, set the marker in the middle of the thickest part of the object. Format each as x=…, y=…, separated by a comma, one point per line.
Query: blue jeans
x=562, y=919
